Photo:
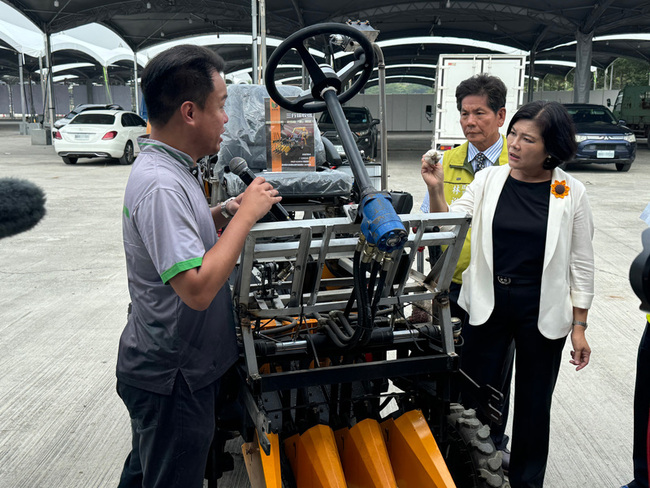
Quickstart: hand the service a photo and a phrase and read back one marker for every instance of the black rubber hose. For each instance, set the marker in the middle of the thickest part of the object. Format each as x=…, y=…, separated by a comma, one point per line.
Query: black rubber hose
x=337, y=330
x=378, y=292
x=373, y=277
x=365, y=319
x=360, y=291
x=281, y=328
x=340, y=316
x=332, y=336
x=356, y=261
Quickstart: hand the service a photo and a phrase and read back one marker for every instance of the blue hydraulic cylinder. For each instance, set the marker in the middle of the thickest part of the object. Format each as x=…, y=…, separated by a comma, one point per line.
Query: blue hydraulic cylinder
x=380, y=224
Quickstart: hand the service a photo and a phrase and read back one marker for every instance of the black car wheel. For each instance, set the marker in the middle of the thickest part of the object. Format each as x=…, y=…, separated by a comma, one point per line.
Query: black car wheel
x=623, y=167
x=128, y=156
x=67, y=160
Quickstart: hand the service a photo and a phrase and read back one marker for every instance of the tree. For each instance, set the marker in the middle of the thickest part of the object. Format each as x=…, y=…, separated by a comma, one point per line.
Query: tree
x=629, y=72
x=626, y=72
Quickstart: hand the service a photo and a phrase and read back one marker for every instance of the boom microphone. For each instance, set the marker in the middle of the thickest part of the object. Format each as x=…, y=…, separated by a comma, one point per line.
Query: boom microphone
x=22, y=206
x=640, y=273
x=241, y=169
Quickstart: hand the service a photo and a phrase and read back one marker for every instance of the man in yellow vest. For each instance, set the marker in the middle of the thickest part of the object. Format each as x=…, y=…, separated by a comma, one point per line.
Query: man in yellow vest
x=481, y=102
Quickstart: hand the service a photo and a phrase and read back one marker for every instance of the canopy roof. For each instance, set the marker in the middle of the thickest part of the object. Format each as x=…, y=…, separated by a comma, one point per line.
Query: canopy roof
x=517, y=25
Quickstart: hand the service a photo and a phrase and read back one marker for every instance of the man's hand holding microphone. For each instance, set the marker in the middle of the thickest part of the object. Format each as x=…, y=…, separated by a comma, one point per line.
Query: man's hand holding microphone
x=255, y=184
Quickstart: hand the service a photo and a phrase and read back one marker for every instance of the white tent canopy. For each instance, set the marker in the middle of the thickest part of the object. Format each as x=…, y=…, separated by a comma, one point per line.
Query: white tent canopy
x=95, y=40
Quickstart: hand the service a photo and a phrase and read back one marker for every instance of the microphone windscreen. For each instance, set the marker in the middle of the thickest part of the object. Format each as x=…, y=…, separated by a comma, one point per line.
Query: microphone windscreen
x=22, y=206
x=238, y=165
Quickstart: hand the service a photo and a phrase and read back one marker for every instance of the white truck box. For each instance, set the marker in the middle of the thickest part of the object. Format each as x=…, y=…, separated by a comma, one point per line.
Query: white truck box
x=454, y=68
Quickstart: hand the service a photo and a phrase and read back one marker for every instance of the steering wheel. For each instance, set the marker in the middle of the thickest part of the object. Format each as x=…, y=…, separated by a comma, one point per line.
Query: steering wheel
x=321, y=77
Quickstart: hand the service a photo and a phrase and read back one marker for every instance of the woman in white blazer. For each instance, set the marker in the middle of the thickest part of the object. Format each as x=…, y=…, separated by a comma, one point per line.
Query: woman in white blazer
x=531, y=274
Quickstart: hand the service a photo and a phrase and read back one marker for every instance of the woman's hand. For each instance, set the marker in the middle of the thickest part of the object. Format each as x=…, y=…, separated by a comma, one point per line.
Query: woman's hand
x=581, y=350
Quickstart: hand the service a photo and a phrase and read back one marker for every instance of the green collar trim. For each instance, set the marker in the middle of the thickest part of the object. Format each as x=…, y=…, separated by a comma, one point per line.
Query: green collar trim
x=174, y=153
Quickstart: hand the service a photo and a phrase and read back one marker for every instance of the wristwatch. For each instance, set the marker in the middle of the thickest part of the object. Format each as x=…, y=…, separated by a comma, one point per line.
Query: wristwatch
x=580, y=322
x=224, y=208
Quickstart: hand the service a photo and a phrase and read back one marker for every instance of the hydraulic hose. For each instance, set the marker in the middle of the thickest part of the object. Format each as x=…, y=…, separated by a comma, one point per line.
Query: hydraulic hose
x=337, y=330
x=378, y=292
x=365, y=319
x=356, y=261
x=373, y=277
x=340, y=316
x=330, y=331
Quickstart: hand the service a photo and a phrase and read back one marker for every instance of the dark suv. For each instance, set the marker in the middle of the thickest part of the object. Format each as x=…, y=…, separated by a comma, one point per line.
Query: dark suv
x=82, y=108
x=362, y=125
x=600, y=137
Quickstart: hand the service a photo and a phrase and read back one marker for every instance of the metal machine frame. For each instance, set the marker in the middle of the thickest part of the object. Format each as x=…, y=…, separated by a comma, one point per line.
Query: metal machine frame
x=324, y=240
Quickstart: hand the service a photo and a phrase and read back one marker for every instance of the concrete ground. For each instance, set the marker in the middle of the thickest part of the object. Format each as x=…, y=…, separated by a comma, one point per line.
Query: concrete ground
x=63, y=299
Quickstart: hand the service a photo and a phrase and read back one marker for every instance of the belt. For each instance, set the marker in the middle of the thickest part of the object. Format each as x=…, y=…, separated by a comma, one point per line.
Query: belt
x=508, y=281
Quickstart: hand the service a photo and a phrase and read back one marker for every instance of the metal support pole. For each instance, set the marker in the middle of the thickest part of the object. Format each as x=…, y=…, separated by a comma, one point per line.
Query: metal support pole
x=135, y=83
x=50, y=79
x=581, y=81
x=90, y=97
x=42, y=75
x=531, y=74
x=263, y=36
x=254, y=76
x=23, y=125
x=381, y=68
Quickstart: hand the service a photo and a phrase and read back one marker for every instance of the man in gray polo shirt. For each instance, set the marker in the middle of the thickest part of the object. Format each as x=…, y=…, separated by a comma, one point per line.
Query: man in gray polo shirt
x=180, y=336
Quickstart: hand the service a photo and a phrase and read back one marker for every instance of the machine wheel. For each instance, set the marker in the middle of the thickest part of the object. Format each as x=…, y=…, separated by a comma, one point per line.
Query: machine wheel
x=128, y=157
x=472, y=459
x=623, y=167
x=67, y=160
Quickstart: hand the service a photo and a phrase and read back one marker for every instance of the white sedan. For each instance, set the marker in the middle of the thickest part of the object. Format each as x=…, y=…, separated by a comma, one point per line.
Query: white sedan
x=100, y=134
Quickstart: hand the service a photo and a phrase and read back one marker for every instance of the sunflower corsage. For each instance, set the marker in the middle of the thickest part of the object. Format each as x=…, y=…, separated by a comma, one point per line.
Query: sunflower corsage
x=560, y=189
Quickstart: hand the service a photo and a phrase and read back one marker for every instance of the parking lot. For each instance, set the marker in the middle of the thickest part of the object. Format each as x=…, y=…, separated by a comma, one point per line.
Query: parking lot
x=64, y=297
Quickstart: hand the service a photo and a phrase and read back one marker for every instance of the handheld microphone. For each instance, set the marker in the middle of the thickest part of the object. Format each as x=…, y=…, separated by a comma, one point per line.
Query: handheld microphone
x=241, y=169
x=22, y=206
